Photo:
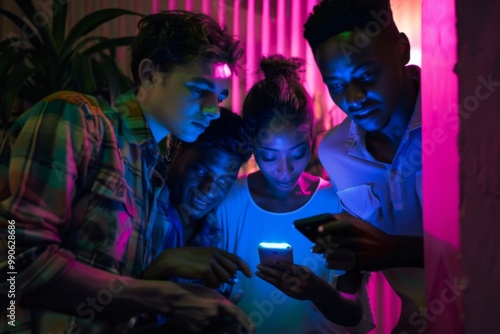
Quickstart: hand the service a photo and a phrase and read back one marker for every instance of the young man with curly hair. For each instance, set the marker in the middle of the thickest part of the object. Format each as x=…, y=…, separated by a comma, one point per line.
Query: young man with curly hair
x=82, y=181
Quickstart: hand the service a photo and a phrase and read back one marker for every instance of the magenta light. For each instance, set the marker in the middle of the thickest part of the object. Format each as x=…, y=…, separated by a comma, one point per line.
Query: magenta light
x=282, y=26
x=222, y=71
x=205, y=7
x=172, y=4
x=189, y=5
x=298, y=19
x=312, y=76
x=155, y=6
x=221, y=12
x=251, y=63
x=440, y=160
x=235, y=83
x=266, y=27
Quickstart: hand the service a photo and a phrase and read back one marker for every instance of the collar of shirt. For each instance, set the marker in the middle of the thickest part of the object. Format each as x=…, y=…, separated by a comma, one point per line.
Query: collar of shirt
x=134, y=127
x=207, y=233
x=210, y=233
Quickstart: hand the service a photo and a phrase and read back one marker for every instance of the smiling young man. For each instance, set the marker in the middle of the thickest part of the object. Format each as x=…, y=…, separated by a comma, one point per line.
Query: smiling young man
x=199, y=178
x=374, y=156
x=82, y=181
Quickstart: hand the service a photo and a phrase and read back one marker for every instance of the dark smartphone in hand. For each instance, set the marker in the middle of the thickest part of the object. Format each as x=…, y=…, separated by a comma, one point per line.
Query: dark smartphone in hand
x=309, y=226
x=350, y=281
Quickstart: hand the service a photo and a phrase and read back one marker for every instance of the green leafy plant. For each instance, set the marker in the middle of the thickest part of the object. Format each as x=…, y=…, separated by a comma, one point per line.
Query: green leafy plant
x=44, y=58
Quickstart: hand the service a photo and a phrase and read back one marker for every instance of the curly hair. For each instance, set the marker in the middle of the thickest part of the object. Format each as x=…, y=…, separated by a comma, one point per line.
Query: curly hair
x=178, y=37
x=332, y=17
x=279, y=97
x=227, y=133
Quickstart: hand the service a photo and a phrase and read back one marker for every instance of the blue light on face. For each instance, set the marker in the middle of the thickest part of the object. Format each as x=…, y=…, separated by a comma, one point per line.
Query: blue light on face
x=275, y=245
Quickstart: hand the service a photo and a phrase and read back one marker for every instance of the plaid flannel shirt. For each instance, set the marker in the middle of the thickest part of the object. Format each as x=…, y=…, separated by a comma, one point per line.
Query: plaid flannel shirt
x=81, y=180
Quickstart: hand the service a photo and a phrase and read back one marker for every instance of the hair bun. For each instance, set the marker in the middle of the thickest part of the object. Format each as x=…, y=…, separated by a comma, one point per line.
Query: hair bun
x=277, y=66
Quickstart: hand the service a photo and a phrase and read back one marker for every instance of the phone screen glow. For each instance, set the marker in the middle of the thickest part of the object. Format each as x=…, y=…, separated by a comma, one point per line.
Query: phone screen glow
x=275, y=245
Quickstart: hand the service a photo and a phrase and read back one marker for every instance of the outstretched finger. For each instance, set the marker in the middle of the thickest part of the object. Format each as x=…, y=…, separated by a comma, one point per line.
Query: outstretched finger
x=240, y=263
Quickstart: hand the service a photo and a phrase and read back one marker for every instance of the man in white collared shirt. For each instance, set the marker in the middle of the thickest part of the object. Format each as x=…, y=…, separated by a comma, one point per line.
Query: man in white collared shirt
x=385, y=194
x=374, y=157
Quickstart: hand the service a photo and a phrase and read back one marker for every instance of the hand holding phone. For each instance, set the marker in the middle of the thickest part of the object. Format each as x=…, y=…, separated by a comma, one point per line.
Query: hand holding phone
x=271, y=252
x=309, y=226
x=351, y=280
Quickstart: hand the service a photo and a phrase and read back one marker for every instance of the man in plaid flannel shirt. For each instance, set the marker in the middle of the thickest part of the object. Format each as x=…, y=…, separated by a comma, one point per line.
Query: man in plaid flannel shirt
x=81, y=181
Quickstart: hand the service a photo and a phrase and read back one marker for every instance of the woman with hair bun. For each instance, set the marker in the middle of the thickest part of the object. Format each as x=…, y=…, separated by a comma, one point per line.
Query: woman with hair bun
x=261, y=207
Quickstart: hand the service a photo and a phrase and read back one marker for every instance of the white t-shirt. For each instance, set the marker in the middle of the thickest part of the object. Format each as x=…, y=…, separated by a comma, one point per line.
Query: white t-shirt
x=244, y=225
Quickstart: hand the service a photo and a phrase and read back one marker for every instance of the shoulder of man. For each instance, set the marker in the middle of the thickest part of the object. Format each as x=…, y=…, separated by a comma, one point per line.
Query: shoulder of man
x=90, y=105
x=94, y=113
x=413, y=71
x=95, y=110
x=338, y=130
x=72, y=97
x=335, y=137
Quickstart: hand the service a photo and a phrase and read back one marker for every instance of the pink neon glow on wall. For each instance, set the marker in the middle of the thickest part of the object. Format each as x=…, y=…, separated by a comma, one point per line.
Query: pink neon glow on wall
x=440, y=160
x=298, y=42
x=205, y=7
x=221, y=12
x=189, y=5
x=266, y=27
x=281, y=38
x=236, y=92
x=155, y=7
x=172, y=4
x=250, y=54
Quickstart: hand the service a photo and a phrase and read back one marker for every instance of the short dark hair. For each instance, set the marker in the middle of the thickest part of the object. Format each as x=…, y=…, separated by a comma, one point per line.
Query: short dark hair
x=279, y=96
x=228, y=133
x=178, y=37
x=332, y=17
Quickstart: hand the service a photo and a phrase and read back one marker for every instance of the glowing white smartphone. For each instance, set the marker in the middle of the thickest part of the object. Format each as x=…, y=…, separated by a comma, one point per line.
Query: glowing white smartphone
x=271, y=252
